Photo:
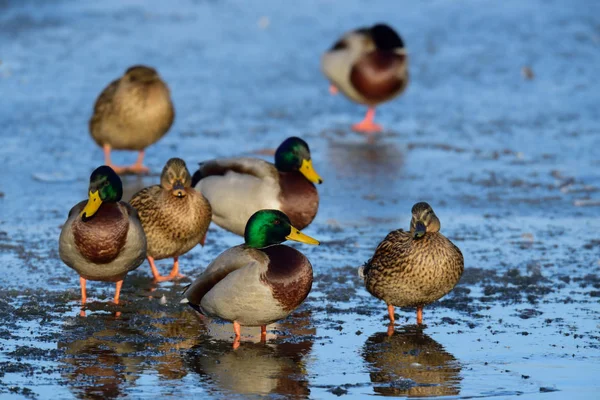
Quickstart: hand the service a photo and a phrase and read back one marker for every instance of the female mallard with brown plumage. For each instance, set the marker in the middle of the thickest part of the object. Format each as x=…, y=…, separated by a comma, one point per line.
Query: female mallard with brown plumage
x=414, y=268
x=103, y=239
x=132, y=113
x=175, y=217
x=369, y=66
x=258, y=282
x=238, y=187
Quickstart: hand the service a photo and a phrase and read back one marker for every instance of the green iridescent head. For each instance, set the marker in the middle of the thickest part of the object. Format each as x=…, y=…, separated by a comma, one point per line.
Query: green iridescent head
x=293, y=155
x=105, y=187
x=269, y=227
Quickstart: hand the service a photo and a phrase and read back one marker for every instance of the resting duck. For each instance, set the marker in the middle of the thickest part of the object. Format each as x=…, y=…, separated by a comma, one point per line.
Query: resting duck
x=258, y=282
x=132, y=113
x=414, y=268
x=103, y=239
x=174, y=216
x=238, y=187
x=369, y=66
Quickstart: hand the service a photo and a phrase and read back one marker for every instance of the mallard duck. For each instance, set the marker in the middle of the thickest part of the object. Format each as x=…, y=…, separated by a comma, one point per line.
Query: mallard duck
x=132, y=113
x=258, y=282
x=103, y=239
x=369, y=66
x=175, y=217
x=414, y=268
x=238, y=187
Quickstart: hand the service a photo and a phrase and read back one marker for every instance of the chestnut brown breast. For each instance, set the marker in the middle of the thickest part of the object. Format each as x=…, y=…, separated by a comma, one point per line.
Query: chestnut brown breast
x=299, y=198
x=289, y=275
x=101, y=238
x=376, y=75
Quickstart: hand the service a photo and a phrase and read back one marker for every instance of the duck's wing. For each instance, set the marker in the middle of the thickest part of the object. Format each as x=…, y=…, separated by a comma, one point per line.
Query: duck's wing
x=227, y=262
x=104, y=103
x=391, y=249
x=236, y=188
x=244, y=165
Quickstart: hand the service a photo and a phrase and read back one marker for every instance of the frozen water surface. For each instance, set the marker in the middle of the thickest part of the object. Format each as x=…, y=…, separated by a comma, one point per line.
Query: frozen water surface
x=508, y=163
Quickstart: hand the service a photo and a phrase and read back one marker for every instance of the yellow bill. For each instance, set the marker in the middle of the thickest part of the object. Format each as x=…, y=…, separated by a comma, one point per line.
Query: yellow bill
x=92, y=205
x=298, y=236
x=309, y=172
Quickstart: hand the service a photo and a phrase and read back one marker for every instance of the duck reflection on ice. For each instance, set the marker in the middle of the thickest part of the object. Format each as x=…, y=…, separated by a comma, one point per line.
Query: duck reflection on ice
x=357, y=159
x=258, y=368
x=102, y=365
x=410, y=363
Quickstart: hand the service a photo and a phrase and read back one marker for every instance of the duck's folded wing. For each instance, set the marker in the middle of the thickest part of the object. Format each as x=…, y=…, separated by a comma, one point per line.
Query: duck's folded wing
x=250, y=166
x=227, y=262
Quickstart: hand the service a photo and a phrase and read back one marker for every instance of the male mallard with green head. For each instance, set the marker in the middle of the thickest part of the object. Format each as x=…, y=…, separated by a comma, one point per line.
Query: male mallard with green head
x=103, y=239
x=132, y=113
x=369, y=66
x=238, y=187
x=258, y=282
x=414, y=268
x=175, y=217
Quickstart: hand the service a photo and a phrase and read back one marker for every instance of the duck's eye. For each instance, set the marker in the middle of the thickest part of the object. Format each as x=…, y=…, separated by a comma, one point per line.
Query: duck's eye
x=277, y=222
x=339, y=45
x=106, y=183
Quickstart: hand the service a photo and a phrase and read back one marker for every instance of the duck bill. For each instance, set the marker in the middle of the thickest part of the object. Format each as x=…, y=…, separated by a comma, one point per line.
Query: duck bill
x=420, y=230
x=92, y=205
x=298, y=236
x=178, y=189
x=309, y=172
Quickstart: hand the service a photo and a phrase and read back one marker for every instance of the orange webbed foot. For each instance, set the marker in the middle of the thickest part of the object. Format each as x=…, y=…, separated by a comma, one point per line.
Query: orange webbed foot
x=367, y=127
x=333, y=90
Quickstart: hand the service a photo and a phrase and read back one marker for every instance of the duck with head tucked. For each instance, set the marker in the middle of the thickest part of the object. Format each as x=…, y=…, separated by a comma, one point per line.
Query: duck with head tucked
x=414, y=268
x=175, y=217
x=103, y=239
x=258, y=282
x=369, y=66
x=132, y=113
x=238, y=187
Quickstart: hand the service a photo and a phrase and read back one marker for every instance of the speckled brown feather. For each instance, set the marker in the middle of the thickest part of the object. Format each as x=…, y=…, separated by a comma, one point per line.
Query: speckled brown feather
x=173, y=225
x=379, y=75
x=289, y=275
x=132, y=115
x=299, y=198
x=101, y=238
x=410, y=272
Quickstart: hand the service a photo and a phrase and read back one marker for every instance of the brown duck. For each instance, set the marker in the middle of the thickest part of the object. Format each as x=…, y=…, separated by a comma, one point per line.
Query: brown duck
x=414, y=268
x=369, y=66
x=258, y=282
x=103, y=239
x=132, y=113
x=238, y=187
x=175, y=217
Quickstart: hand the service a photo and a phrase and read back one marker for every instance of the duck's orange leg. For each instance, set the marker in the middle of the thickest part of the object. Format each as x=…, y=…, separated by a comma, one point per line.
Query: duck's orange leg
x=139, y=167
x=175, y=271
x=263, y=333
x=157, y=276
x=203, y=240
x=419, y=315
x=107, y=161
x=118, y=291
x=237, y=329
x=83, y=296
x=83, y=293
x=367, y=125
x=333, y=90
x=391, y=314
